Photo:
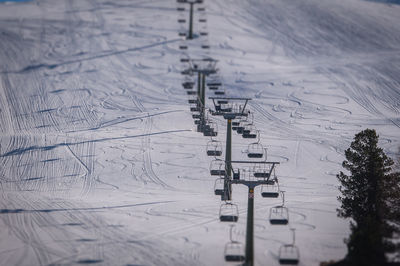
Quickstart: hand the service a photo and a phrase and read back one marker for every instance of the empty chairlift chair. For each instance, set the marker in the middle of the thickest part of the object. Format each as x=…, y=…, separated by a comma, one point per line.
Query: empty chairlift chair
x=210, y=129
x=193, y=99
x=229, y=212
x=214, y=148
x=250, y=132
x=289, y=254
x=235, y=124
x=219, y=186
x=270, y=191
x=234, y=252
x=217, y=168
x=255, y=150
x=279, y=215
x=261, y=171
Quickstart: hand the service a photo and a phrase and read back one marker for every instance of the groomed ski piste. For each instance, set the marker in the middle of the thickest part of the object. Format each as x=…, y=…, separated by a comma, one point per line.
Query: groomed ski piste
x=100, y=161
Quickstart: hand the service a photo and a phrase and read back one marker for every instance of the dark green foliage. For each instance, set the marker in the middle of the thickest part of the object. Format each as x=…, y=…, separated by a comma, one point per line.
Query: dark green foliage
x=370, y=196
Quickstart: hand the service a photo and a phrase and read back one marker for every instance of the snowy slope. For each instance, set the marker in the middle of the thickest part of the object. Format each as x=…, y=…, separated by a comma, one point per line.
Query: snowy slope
x=100, y=161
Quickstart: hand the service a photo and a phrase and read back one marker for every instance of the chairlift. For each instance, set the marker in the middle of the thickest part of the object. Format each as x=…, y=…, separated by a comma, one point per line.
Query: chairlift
x=217, y=168
x=289, y=254
x=214, y=148
x=210, y=133
x=194, y=109
x=229, y=212
x=187, y=72
x=183, y=46
x=235, y=123
x=181, y=20
x=261, y=171
x=188, y=85
x=270, y=190
x=210, y=129
x=192, y=92
x=250, y=135
x=219, y=186
x=219, y=92
x=182, y=34
x=185, y=59
x=279, y=215
x=255, y=150
x=248, y=128
x=196, y=116
x=203, y=33
x=193, y=100
x=214, y=84
x=234, y=252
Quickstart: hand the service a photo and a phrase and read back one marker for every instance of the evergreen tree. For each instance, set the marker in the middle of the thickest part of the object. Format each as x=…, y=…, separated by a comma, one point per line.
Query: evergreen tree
x=370, y=196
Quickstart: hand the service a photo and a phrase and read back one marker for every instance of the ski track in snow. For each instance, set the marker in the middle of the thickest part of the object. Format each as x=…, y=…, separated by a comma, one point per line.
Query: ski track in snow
x=100, y=161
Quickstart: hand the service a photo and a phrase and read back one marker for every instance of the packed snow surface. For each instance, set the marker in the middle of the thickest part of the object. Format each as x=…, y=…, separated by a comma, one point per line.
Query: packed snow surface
x=100, y=161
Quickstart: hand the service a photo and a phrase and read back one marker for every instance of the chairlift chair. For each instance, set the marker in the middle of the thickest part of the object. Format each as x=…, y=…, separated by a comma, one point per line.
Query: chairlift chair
x=229, y=212
x=279, y=215
x=181, y=20
x=217, y=168
x=289, y=255
x=210, y=133
x=214, y=148
x=235, y=123
x=196, y=116
x=193, y=100
x=194, y=109
x=255, y=150
x=250, y=135
x=188, y=85
x=192, y=92
x=234, y=252
x=219, y=92
x=187, y=72
x=219, y=186
x=185, y=58
x=214, y=83
x=222, y=101
x=270, y=191
x=261, y=171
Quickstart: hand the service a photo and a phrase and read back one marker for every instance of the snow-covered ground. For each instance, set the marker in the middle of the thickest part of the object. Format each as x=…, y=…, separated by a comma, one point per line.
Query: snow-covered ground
x=99, y=158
